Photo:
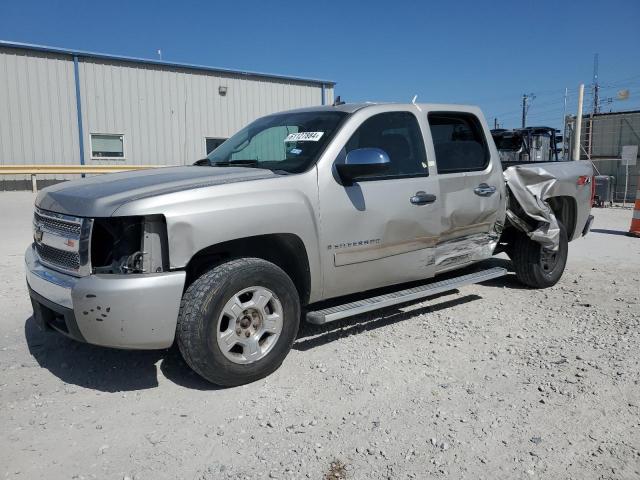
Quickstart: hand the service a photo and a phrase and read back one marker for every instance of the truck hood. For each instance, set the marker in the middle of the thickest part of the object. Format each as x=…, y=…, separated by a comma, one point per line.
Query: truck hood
x=102, y=195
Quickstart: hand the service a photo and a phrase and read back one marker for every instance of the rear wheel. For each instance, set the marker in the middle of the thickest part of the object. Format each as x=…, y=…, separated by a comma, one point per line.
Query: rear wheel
x=536, y=266
x=238, y=321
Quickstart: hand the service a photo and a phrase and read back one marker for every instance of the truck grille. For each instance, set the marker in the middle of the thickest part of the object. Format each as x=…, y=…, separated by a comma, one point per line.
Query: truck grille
x=58, y=258
x=62, y=241
x=59, y=226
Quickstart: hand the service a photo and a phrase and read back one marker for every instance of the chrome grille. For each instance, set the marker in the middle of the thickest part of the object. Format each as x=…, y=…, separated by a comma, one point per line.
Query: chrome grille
x=58, y=258
x=62, y=241
x=58, y=226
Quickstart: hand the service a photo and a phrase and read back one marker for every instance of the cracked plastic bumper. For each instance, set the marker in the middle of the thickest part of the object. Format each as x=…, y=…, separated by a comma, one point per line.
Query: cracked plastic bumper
x=121, y=311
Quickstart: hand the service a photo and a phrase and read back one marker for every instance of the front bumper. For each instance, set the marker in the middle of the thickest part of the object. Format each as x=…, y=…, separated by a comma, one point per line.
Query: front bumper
x=137, y=311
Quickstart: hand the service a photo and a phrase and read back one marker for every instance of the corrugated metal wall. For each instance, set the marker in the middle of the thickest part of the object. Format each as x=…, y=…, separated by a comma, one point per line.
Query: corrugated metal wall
x=38, y=122
x=602, y=137
x=165, y=113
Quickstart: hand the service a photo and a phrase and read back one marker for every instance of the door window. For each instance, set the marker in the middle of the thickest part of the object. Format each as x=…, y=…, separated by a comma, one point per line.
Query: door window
x=458, y=141
x=398, y=134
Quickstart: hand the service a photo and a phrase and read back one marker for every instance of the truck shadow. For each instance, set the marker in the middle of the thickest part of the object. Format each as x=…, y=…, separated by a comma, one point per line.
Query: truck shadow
x=113, y=370
x=608, y=232
x=311, y=336
x=108, y=369
x=509, y=281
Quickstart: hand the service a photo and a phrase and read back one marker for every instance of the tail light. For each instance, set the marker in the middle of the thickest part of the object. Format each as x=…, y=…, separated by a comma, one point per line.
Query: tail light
x=584, y=179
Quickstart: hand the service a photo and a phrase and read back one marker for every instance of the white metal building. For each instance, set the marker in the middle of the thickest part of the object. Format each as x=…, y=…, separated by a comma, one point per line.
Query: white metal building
x=60, y=106
x=602, y=138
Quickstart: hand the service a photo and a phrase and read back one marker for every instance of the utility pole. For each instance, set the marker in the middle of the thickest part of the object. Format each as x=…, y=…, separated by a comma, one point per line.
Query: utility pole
x=596, y=85
x=576, y=131
x=565, y=148
x=525, y=106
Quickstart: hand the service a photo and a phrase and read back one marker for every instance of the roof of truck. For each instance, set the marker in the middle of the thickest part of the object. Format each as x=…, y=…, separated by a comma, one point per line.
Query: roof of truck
x=354, y=107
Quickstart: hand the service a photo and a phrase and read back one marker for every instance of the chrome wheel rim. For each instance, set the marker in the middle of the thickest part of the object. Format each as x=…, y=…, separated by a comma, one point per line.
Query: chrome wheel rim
x=250, y=325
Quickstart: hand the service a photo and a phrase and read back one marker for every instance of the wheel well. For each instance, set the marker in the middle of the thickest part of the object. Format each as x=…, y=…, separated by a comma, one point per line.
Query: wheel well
x=285, y=250
x=565, y=210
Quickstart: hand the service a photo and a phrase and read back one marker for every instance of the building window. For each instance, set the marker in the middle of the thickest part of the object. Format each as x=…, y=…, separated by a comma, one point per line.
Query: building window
x=212, y=143
x=107, y=146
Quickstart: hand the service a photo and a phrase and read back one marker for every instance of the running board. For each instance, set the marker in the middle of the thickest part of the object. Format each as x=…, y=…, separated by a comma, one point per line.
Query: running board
x=338, y=312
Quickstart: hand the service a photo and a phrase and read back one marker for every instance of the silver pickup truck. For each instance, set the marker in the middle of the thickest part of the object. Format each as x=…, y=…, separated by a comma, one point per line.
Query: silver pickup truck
x=288, y=219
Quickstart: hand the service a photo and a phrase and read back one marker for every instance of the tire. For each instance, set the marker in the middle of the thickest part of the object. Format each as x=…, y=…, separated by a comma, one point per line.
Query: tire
x=531, y=261
x=234, y=292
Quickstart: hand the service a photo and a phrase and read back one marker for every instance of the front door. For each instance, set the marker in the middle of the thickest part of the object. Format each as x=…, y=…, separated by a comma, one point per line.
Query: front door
x=381, y=230
x=471, y=186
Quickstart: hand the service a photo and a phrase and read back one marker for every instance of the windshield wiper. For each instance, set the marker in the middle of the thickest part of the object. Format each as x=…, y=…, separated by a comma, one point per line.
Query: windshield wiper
x=226, y=163
x=247, y=163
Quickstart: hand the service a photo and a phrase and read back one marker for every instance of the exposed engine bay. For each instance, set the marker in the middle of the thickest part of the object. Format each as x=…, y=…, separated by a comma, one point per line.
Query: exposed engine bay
x=129, y=245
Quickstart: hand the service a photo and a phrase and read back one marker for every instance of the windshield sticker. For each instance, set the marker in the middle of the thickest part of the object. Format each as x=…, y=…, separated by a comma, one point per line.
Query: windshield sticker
x=304, y=137
x=295, y=151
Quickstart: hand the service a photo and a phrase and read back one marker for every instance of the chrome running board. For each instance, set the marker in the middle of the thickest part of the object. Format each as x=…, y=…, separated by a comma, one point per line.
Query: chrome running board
x=338, y=312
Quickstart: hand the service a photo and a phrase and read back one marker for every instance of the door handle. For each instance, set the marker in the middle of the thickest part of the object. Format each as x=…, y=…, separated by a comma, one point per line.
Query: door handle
x=484, y=190
x=422, y=198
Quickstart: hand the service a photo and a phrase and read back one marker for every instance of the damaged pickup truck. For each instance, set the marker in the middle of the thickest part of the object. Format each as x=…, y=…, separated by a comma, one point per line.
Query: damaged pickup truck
x=295, y=213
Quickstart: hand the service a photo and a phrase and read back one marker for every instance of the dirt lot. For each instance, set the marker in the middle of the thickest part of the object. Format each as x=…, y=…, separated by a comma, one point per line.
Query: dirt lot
x=493, y=381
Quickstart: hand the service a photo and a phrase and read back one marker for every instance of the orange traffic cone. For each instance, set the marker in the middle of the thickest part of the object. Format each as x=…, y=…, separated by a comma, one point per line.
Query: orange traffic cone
x=634, y=230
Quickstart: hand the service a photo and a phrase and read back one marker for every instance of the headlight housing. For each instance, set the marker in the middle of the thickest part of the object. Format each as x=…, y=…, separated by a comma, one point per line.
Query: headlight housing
x=125, y=245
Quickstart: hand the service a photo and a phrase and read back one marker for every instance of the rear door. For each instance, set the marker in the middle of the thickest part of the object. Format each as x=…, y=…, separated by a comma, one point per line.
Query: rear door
x=471, y=188
x=377, y=231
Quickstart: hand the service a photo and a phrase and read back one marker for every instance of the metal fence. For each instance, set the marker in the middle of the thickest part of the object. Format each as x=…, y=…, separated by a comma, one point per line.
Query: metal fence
x=601, y=141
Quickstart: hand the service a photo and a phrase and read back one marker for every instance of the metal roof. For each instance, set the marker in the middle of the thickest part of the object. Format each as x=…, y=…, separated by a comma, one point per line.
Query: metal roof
x=161, y=63
x=606, y=114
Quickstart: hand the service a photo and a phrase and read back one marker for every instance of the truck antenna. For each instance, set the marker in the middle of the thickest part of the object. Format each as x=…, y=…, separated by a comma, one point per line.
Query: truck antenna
x=415, y=97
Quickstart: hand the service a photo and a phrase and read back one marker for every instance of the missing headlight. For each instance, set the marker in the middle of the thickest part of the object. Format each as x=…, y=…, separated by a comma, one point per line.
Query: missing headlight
x=129, y=245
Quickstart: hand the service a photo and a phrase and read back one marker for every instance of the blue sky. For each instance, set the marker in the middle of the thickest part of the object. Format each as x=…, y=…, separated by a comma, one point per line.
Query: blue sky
x=486, y=53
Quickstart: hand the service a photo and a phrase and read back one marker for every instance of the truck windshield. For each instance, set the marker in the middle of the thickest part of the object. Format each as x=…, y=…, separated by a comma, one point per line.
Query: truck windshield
x=287, y=142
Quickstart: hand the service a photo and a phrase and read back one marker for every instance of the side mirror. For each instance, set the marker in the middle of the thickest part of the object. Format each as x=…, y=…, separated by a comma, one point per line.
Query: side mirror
x=362, y=163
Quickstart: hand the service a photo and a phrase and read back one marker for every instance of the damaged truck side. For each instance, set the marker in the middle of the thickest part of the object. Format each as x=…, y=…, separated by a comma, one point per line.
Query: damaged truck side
x=313, y=210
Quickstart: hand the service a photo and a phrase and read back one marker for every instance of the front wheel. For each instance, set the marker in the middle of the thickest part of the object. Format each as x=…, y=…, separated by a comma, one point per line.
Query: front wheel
x=238, y=321
x=536, y=266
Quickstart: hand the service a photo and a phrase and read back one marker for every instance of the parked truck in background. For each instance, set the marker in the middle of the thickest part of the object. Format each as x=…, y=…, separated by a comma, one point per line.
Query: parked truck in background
x=286, y=218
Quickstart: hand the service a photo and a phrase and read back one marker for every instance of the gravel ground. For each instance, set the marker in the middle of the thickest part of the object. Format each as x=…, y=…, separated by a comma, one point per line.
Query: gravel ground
x=493, y=381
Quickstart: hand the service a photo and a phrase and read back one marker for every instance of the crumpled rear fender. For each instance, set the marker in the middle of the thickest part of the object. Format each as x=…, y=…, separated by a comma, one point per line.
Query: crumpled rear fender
x=532, y=185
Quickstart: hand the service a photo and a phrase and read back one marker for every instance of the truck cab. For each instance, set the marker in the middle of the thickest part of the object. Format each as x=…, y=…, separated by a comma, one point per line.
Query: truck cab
x=437, y=205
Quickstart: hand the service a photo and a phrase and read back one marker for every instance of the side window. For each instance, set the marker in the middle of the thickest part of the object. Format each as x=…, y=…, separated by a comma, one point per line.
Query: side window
x=398, y=134
x=458, y=141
